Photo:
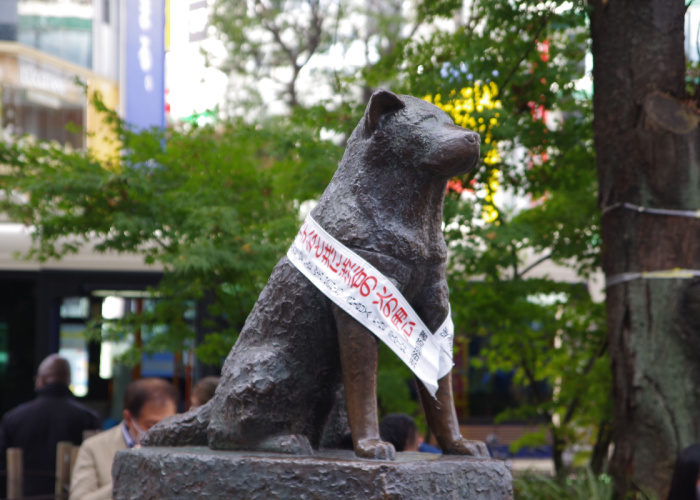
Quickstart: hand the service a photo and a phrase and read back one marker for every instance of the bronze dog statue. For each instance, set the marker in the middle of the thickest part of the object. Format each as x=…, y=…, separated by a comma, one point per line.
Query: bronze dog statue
x=280, y=381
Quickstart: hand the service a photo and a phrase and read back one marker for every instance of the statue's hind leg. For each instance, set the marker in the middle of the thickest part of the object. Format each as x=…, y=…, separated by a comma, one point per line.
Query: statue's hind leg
x=185, y=429
x=279, y=381
x=269, y=404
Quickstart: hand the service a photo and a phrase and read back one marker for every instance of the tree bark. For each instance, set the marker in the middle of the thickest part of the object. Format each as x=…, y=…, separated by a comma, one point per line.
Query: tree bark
x=648, y=157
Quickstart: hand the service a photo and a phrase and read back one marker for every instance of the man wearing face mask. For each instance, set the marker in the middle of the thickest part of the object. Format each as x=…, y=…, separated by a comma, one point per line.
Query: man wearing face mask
x=146, y=402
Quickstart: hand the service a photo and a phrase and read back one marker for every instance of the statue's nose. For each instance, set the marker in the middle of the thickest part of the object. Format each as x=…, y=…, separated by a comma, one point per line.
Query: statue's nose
x=473, y=137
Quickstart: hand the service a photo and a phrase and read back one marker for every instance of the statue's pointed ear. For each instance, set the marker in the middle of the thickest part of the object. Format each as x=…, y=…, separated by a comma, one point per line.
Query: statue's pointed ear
x=380, y=104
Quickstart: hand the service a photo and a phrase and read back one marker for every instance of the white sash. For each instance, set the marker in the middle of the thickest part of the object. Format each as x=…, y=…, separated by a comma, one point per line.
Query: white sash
x=369, y=297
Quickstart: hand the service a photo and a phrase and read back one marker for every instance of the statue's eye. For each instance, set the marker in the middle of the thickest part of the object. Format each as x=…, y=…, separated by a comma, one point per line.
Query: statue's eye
x=429, y=117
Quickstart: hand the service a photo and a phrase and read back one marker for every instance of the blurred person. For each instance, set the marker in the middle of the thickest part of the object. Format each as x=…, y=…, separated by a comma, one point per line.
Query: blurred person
x=685, y=484
x=424, y=447
x=38, y=425
x=203, y=391
x=146, y=402
x=400, y=430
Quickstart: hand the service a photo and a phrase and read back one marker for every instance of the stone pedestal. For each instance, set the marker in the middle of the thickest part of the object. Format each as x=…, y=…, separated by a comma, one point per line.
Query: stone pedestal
x=196, y=472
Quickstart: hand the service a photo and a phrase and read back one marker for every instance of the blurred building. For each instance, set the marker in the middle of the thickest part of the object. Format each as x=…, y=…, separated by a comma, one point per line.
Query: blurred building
x=51, y=51
x=194, y=89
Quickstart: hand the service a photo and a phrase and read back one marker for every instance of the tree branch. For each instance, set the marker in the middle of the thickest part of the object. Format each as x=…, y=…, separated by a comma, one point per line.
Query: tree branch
x=534, y=264
x=589, y=366
x=511, y=74
x=314, y=39
x=533, y=383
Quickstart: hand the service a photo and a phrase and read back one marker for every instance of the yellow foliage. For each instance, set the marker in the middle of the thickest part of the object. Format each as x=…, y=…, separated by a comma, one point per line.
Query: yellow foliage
x=464, y=108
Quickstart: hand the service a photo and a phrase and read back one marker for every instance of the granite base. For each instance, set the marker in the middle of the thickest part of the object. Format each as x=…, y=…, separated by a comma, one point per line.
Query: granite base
x=198, y=472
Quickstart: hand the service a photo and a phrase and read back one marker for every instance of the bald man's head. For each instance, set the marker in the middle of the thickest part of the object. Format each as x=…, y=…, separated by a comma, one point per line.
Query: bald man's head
x=54, y=369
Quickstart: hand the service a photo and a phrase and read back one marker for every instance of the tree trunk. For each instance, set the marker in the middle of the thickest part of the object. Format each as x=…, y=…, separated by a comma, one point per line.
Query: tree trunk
x=645, y=139
x=558, y=446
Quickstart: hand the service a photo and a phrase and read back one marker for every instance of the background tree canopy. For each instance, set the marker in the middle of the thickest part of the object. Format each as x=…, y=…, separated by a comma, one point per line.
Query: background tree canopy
x=513, y=71
x=215, y=207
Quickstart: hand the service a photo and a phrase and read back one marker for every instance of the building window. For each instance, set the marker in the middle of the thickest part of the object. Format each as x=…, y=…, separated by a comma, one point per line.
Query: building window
x=73, y=347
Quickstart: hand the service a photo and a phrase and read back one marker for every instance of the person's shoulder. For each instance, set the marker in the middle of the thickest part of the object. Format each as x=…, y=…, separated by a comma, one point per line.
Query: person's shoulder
x=427, y=448
x=113, y=435
x=19, y=413
x=81, y=408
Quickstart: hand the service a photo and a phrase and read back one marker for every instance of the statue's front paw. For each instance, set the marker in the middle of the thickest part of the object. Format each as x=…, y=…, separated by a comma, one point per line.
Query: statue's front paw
x=375, y=449
x=465, y=447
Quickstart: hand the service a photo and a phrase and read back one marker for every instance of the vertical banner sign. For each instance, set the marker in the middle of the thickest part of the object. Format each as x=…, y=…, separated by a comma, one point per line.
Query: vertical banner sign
x=198, y=19
x=145, y=61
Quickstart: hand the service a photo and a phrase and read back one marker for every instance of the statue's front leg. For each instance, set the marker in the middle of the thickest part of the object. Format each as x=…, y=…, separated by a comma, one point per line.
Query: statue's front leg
x=359, y=358
x=433, y=305
x=442, y=419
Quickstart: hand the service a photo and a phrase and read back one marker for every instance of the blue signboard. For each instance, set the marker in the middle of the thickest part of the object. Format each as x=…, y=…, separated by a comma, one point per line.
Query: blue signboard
x=145, y=60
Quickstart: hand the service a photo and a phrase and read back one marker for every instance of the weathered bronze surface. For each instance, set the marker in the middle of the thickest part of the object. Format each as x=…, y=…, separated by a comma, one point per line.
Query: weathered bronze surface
x=188, y=472
x=280, y=381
